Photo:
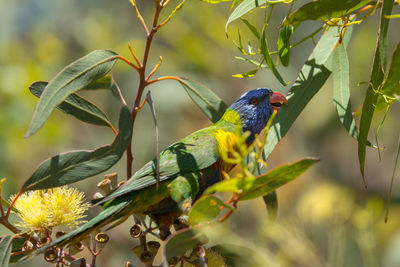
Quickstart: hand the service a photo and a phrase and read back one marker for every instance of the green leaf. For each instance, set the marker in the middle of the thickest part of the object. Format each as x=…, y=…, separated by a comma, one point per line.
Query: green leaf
x=341, y=90
x=5, y=250
x=183, y=241
x=284, y=44
x=267, y=57
x=271, y=202
x=312, y=77
x=17, y=245
x=206, y=209
x=253, y=187
x=243, y=8
x=251, y=27
x=204, y=98
x=70, y=167
x=246, y=74
x=235, y=255
x=324, y=9
x=371, y=98
x=72, y=78
x=391, y=87
x=76, y=106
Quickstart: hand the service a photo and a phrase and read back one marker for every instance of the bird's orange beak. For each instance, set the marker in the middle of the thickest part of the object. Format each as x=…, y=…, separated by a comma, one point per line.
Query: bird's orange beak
x=277, y=100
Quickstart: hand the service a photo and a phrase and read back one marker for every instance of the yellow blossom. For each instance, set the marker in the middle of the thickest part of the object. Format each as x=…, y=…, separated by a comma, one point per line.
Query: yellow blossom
x=49, y=208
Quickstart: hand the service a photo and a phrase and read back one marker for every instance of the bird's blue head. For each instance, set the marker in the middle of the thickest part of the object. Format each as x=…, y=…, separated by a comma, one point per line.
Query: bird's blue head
x=255, y=108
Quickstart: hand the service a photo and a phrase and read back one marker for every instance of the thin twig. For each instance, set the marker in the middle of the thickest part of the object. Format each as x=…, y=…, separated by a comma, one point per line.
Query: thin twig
x=133, y=2
x=164, y=78
x=12, y=204
x=128, y=62
x=154, y=69
x=134, y=55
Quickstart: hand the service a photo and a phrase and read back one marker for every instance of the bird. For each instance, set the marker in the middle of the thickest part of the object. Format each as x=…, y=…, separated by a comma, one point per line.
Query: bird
x=186, y=168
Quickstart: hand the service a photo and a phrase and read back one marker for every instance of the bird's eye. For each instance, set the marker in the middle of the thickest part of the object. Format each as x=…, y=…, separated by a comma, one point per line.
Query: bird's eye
x=254, y=101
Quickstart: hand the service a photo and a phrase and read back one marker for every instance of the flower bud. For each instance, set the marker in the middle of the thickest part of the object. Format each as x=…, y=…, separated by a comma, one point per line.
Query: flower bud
x=27, y=245
x=76, y=248
x=136, y=231
x=50, y=255
x=97, y=195
x=113, y=177
x=105, y=186
x=101, y=240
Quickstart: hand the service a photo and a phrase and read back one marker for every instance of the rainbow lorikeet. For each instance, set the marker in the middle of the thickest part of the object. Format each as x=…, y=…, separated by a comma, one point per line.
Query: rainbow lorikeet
x=186, y=168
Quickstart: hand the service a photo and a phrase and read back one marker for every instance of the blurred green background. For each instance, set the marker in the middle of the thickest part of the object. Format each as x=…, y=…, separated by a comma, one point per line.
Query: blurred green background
x=325, y=218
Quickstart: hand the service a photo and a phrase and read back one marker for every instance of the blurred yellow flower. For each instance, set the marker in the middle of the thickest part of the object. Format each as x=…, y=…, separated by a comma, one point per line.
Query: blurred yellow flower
x=49, y=208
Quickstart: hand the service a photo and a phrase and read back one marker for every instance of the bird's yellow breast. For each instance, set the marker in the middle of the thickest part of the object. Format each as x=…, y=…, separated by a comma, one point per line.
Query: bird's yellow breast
x=226, y=140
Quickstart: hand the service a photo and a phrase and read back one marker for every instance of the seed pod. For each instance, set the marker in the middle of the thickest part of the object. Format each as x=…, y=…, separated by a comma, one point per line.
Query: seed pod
x=136, y=231
x=138, y=250
x=105, y=186
x=76, y=248
x=60, y=234
x=101, y=240
x=153, y=246
x=50, y=255
x=113, y=177
x=146, y=257
x=172, y=261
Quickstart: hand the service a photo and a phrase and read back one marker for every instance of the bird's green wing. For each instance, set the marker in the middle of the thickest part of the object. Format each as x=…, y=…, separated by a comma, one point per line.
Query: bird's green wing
x=191, y=154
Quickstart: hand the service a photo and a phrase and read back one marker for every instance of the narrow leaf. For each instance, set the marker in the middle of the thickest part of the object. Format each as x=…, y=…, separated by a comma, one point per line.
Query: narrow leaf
x=312, y=77
x=5, y=250
x=204, y=98
x=206, y=209
x=76, y=106
x=70, y=167
x=371, y=97
x=253, y=187
x=341, y=90
x=251, y=27
x=391, y=87
x=271, y=202
x=183, y=241
x=236, y=256
x=324, y=9
x=389, y=199
x=243, y=8
x=72, y=78
x=268, y=59
x=246, y=74
x=284, y=44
